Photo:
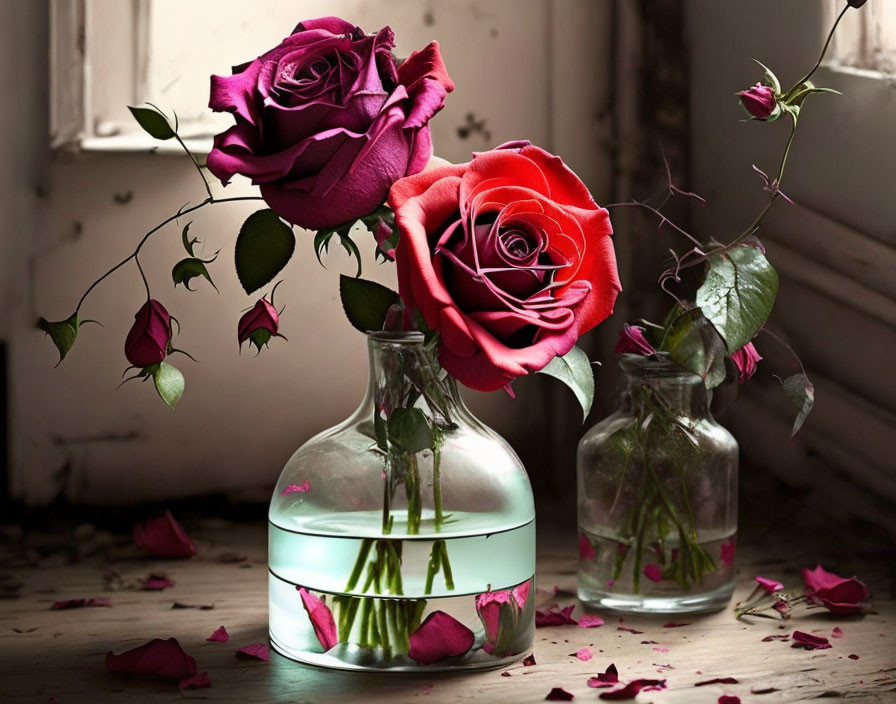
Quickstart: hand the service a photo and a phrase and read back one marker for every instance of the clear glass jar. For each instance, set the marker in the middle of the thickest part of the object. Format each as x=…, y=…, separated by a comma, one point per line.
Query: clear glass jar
x=404, y=537
x=657, y=497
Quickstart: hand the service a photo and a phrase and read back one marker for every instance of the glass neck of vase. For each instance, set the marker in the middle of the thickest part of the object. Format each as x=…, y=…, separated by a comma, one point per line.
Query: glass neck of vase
x=661, y=382
x=404, y=373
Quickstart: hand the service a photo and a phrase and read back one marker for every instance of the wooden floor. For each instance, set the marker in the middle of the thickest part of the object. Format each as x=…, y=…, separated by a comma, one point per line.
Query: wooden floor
x=59, y=654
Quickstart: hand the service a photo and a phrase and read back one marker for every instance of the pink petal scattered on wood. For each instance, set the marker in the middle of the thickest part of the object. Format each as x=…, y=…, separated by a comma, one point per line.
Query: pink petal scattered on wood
x=529, y=660
x=156, y=582
x=219, y=636
x=321, y=619
x=257, y=651
x=853, y=656
x=769, y=585
x=555, y=616
x=157, y=658
x=673, y=624
x=584, y=654
x=164, y=537
x=837, y=632
x=605, y=679
x=558, y=694
x=439, y=637
x=590, y=621
x=195, y=682
x=809, y=641
x=633, y=688
x=729, y=699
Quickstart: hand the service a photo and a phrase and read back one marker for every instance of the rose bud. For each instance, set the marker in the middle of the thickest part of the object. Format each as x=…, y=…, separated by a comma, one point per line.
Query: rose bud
x=259, y=325
x=148, y=338
x=759, y=101
x=632, y=341
x=745, y=359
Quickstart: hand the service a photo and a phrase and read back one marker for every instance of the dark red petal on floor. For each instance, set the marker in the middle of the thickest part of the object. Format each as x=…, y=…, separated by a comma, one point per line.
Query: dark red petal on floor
x=219, y=636
x=157, y=658
x=257, y=651
x=195, y=682
x=633, y=688
x=558, y=694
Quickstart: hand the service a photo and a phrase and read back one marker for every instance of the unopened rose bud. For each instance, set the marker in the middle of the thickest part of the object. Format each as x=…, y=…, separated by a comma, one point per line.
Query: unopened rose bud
x=148, y=338
x=759, y=101
x=746, y=359
x=632, y=341
x=259, y=325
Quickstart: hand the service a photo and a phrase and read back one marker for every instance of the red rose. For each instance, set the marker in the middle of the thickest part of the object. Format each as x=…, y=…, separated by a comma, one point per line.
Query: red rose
x=507, y=257
x=148, y=338
x=759, y=101
x=259, y=324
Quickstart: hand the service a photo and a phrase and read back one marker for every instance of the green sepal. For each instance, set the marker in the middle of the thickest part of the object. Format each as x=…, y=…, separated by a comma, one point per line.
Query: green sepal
x=738, y=293
x=769, y=78
x=574, y=370
x=801, y=393
x=188, y=269
x=366, y=303
x=260, y=338
x=409, y=430
x=264, y=246
x=153, y=122
x=63, y=333
x=188, y=242
x=169, y=382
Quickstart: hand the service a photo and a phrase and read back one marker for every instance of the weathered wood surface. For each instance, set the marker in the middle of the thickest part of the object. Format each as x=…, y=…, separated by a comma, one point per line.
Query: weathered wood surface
x=59, y=654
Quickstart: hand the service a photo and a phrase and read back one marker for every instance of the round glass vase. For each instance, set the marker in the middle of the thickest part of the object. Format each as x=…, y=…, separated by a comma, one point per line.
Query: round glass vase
x=657, y=498
x=403, y=538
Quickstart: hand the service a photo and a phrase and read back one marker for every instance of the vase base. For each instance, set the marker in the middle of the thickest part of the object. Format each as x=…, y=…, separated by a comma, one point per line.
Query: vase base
x=702, y=602
x=365, y=660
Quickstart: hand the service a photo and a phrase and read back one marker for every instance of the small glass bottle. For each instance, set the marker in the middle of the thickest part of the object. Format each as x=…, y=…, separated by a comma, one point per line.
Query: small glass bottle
x=404, y=537
x=657, y=497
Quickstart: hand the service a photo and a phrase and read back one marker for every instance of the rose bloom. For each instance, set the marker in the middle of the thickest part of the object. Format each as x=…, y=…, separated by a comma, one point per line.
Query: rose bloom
x=326, y=121
x=507, y=257
x=746, y=360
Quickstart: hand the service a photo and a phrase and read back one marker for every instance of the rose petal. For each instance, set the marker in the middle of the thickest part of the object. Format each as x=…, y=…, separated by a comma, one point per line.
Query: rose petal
x=529, y=660
x=164, y=537
x=728, y=699
x=653, y=572
x=157, y=658
x=661, y=649
x=156, y=582
x=296, y=488
x=837, y=632
x=716, y=680
x=768, y=639
x=584, y=654
x=558, y=694
x=838, y=594
x=605, y=679
x=586, y=549
x=728, y=551
x=590, y=621
x=440, y=636
x=258, y=651
x=673, y=624
x=853, y=656
x=219, y=636
x=195, y=682
x=321, y=619
x=81, y=603
x=629, y=630
x=555, y=616
x=809, y=641
x=769, y=585
x=633, y=688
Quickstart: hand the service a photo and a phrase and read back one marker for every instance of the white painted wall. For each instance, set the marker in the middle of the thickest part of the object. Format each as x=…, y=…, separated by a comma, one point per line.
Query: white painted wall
x=241, y=416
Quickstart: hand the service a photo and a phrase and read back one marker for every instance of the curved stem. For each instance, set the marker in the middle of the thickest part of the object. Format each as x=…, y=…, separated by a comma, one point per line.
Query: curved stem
x=142, y=276
x=208, y=188
x=825, y=48
x=133, y=255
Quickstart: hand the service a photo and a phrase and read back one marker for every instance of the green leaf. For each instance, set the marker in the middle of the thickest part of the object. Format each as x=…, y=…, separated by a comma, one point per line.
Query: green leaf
x=263, y=247
x=801, y=393
x=63, y=333
x=365, y=303
x=574, y=370
x=188, y=243
x=738, y=294
x=695, y=344
x=188, y=269
x=169, y=383
x=409, y=430
x=153, y=122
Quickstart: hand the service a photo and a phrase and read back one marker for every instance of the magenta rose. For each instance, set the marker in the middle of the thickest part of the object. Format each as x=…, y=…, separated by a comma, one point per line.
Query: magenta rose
x=632, y=341
x=327, y=121
x=148, y=338
x=759, y=101
x=259, y=324
x=507, y=257
x=746, y=360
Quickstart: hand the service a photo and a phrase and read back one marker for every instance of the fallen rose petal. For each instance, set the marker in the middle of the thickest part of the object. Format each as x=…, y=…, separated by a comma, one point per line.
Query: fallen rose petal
x=586, y=549
x=633, y=688
x=529, y=661
x=605, y=679
x=653, y=572
x=628, y=630
x=661, y=650
x=853, y=656
x=157, y=658
x=769, y=639
x=555, y=616
x=558, y=694
x=296, y=488
x=837, y=632
x=164, y=537
x=839, y=595
x=257, y=651
x=590, y=621
x=195, y=682
x=672, y=624
x=321, y=619
x=100, y=601
x=440, y=636
x=729, y=699
x=717, y=680
x=769, y=585
x=505, y=674
x=156, y=582
x=219, y=636
x=809, y=641
x=584, y=654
